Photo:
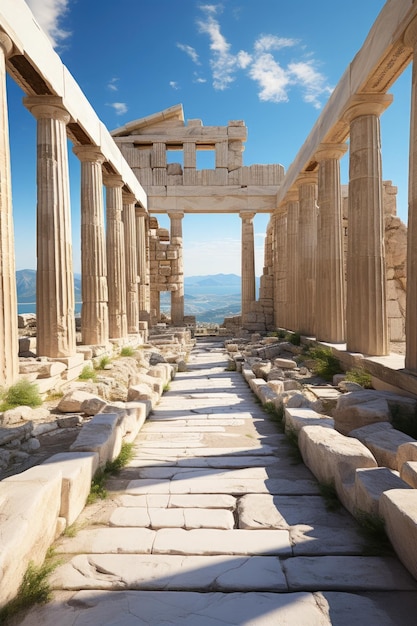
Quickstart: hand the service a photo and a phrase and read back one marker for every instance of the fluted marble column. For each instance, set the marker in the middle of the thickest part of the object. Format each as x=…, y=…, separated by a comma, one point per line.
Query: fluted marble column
x=330, y=280
x=248, y=262
x=280, y=269
x=116, y=265
x=94, y=312
x=307, y=249
x=132, y=300
x=9, y=343
x=177, y=297
x=410, y=39
x=54, y=277
x=292, y=206
x=366, y=316
x=142, y=264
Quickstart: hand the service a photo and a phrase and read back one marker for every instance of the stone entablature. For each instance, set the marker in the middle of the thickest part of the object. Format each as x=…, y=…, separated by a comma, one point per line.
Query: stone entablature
x=146, y=143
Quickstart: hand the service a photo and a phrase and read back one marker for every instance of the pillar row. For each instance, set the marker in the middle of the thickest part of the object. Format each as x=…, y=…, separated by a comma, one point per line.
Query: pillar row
x=280, y=269
x=116, y=265
x=307, y=248
x=330, y=281
x=142, y=236
x=177, y=265
x=94, y=312
x=410, y=40
x=292, y=209
x=54, y=276
x=248, y=263
x=9, y=342
x=132, y=302
x=366, y=316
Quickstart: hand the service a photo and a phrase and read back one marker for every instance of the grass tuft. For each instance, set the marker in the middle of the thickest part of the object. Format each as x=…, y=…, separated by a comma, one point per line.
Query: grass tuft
x=326, y=365
x=372, y=528
x=98, y=490
x=88, y=373
x=127, y=351
x=23, y=393
x=294, y=338
x=34, y=589
x=104, y=361
x=329, y=493
x=360, y=376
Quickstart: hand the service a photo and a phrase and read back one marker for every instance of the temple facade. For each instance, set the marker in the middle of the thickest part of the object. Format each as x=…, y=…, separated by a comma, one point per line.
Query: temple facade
x=335, y=256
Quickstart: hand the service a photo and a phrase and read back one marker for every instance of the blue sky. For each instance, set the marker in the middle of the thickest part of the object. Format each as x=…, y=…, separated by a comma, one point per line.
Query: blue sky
x=271, y=63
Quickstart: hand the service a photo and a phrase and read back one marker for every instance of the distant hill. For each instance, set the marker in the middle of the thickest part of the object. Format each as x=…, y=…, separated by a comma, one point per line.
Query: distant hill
x=26, y=286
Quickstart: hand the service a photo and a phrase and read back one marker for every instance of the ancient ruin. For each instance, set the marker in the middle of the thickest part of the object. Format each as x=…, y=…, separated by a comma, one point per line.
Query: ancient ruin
x=339, y=273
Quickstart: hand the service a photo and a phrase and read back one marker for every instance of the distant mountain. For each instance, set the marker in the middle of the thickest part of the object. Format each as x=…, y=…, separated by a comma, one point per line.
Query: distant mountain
x=26, y=286
x=211, y=280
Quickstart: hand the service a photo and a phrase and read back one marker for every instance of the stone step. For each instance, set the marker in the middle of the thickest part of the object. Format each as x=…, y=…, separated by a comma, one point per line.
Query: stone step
x=172, y=518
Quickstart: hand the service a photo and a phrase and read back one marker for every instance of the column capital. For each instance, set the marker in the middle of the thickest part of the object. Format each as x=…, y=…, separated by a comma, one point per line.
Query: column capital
x=128, y=197
x=140, y=211
x=175, y=215
x=410, y=34
x=291, y=195
x=47, y=107
x=330, y=151
x=247, y=215
x=113, y=180
x=6, y=43
x=366, y=104
x=89, y=153
x=306, y=178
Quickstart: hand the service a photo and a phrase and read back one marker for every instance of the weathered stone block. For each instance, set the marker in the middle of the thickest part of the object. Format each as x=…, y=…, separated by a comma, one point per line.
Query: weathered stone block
x=383, y=441
x=371, y=483
x=101, y=435
x=398, y=507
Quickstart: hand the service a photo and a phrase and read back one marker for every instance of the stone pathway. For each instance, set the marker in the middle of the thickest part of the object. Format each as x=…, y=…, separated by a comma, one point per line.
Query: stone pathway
x=213, y=523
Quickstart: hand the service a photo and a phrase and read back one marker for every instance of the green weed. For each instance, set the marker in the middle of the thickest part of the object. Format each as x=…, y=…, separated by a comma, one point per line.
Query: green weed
x=104, y=362
x=88, y=373
x=329, y=493
x=326, y=365
x=360, y=376
x=98, y=490
x=127, y=351
x=23, y=393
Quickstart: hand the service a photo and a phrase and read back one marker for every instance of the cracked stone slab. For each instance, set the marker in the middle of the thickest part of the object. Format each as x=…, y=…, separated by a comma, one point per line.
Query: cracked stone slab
x=210, y=541
x=163, y=608
x=204, y=501
x=347, y=573
x=326, y=540
x=179, y=453
x=267, y=511
x=108, y=540
x=258, y=473
x=175, y=572
x=172, y=518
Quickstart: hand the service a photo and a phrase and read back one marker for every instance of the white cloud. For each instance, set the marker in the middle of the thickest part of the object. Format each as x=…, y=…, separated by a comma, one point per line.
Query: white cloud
x=112, y=84
x=312, y=81
x=199, y=79
x=264, y=43
x=223, y=63
x=274, y=79
x=190, y=51
x=49, y=14
x=119, y=107
x=174, y=84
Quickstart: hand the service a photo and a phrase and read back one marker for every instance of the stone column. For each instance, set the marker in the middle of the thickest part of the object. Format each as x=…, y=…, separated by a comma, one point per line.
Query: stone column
x=292, y=205
x=94, y=312
x=132, y=300
x=248, y=263
x=142, y=264
x=9, y=343
x=177, y=265
x=116, y=265
x=307, y=249
x=330, y=280
x=366, y=316
x=410, y=39
x=54, y=277
x=280, y=269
